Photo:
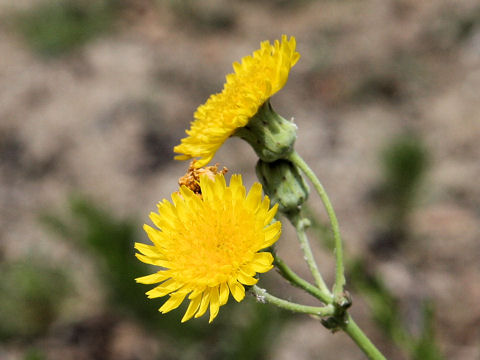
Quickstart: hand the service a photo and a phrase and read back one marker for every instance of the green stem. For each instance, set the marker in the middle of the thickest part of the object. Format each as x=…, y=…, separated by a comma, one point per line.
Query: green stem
x=263, y=296
x=296, y=280
x=363, y=342
x=300, y=225
x=339, y=269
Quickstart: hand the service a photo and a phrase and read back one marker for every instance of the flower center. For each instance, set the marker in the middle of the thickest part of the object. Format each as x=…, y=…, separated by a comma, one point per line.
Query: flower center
x=216, y=246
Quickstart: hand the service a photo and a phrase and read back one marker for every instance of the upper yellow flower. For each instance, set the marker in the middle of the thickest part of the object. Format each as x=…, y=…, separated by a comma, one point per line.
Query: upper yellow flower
x=209, y=244
x=253, y=82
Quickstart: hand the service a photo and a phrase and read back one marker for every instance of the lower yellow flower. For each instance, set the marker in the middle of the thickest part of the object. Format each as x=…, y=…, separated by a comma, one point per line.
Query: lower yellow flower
x=209, y=245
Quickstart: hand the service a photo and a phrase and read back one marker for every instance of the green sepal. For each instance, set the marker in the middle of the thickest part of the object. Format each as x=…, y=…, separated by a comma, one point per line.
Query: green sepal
x=283, y=183
x=271, y=136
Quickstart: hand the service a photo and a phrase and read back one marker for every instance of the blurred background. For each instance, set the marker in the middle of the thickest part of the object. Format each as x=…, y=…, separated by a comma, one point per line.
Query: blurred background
x=95, y=94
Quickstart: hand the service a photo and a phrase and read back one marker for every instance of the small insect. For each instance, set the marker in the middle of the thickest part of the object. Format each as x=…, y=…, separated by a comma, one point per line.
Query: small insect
x=192, y=178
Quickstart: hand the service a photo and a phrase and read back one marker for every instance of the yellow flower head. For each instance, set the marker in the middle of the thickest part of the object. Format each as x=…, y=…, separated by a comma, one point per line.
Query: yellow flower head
x=209, y=245
x=254, y=81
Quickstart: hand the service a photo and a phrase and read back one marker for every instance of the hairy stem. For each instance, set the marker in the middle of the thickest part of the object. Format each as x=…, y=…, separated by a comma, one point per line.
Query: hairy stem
x=339, y=268
x=300, y=224
x=296, y=280
x=363, y=342
x=263, y=296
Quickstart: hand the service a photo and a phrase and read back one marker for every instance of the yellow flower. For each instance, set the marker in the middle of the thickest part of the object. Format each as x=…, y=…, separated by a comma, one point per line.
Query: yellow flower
x=209, y=244
x=254, y=81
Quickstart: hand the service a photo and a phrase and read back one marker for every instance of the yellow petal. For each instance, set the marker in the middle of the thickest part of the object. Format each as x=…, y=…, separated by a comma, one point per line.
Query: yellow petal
x=214, y=303
x=258, y=267
x=224, y=292
x=181, y=157
x=270, y=214
x=153, y=234
x=153, y=261
x=192, y=308
x=263, y=258
x=238, y=190
x=246, y=279
x=193, y=199
x=204, y=304
x=237, y=290
x=177, y=199
x=163, y=289
x=246, y=270
x=220, y=184
x=201, y=162
x=206, y=186
x=167, y=214
x=173, y=302
x=153, y=278
x=196, y=293
x=148, y=250
x=261, y=268
x=272, y=233
x=264, y=206
x=254, y=196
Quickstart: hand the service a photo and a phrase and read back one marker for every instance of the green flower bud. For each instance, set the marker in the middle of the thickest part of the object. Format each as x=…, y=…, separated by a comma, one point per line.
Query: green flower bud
x=271, y=136
x=283, y=183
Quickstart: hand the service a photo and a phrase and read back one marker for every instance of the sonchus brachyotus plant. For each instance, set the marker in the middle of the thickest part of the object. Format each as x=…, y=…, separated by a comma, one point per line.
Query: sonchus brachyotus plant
x=213, y=240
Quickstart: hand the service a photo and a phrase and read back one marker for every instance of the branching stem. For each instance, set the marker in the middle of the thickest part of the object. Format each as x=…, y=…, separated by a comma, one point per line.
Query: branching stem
x=296, y=280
